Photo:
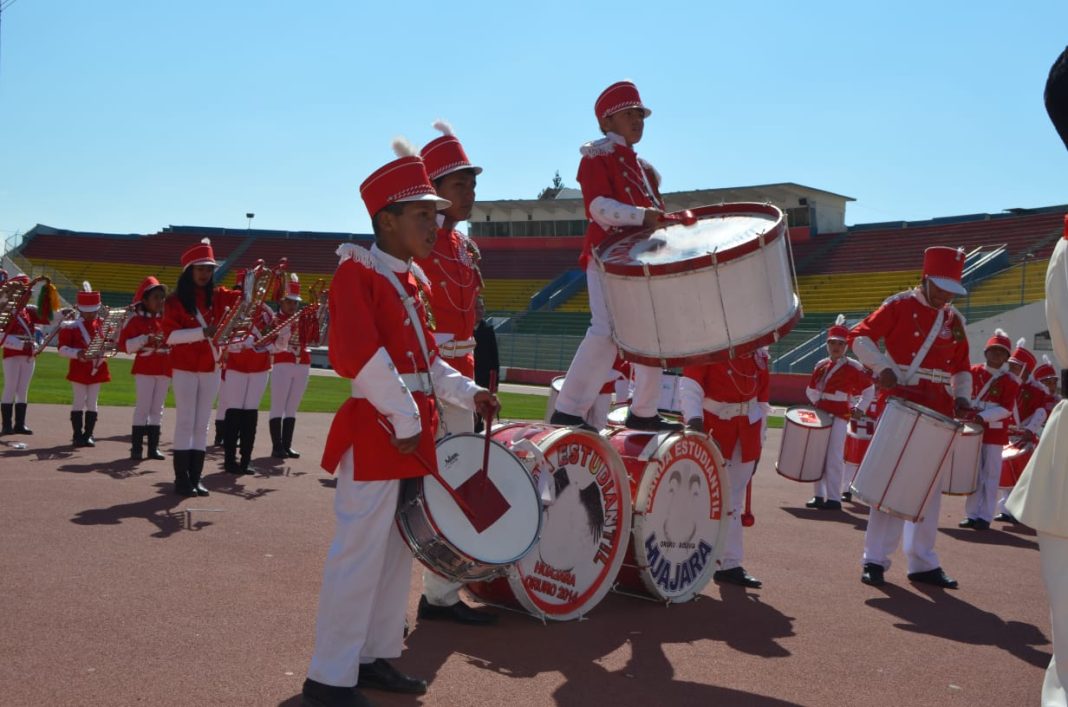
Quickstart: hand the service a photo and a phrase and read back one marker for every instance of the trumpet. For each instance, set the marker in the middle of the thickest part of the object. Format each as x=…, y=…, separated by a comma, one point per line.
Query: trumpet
x=236, y=324
x=14, y=295
x=105, y=342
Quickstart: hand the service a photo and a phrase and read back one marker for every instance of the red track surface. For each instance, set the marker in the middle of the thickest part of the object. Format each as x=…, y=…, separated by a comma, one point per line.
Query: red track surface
x=116, y=592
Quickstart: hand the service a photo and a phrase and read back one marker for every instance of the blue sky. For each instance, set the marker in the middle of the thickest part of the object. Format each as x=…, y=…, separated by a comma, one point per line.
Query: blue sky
x=129, y=115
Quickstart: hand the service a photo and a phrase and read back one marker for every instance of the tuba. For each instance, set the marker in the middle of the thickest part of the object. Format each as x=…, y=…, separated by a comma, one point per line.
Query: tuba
x=105, y=343
x=236, y=324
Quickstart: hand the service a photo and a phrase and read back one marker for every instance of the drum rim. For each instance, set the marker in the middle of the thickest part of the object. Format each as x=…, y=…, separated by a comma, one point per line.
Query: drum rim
x=823, y=414
x=775, y=231
x=923, y=410
x=746, y=347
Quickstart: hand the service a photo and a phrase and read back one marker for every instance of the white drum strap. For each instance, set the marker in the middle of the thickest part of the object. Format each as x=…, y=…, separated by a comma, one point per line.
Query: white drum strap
x=927, y=344
x=982, y=391
x=830, y=374
x=204, y=325
x=85, y=334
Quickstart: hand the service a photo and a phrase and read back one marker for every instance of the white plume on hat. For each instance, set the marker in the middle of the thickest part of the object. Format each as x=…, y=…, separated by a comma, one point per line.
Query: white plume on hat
x=840, y=320
x=205, y=241
x=443, y=127
x=86, y=287
x=293, y=277
x=1000, y=332
x=1021, y=343
x=402, y=147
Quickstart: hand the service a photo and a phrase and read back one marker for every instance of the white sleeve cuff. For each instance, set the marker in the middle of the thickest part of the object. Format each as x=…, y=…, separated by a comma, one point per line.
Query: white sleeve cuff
x=136, y=343
x=866, y=396
x=962, y=384
x=452, y=386
x=812, y=394
x=870, y=355
x=379, y=382
x=994, y=413
x=185, y=336
x=608, y=212
x=1035, y=422
x=691, y=398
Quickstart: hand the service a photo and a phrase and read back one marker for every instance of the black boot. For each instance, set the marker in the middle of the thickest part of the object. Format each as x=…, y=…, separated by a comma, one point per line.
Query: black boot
x=196, y=469
x=153, y=442
x=288, y=425
x=220, y=432
x=5, y=415
x=20, y=420
x=275, y=426
x=76, y=417
x=182, y=458
x=90, y=425
x=249, y=419
x=231, y=431
x=137, y=442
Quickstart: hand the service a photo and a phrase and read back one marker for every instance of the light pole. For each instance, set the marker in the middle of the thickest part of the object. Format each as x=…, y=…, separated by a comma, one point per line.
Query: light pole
x=250, y=216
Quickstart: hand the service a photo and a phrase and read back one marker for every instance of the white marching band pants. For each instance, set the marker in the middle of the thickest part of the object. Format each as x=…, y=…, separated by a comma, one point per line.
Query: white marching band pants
x=241, y=391
x=1053, y=554
x=193, y=395
x=884, y=532
x=593, y=362
x=18, y=370
x=366, y=579
x=288, y=383
x=151, y=395
x=738, y=474
x=438, y=590
x=982, y=502
x=85, y=396
x=830, y=486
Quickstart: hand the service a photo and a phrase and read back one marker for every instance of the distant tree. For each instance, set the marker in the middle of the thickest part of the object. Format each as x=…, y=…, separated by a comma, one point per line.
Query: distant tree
x=550, y=192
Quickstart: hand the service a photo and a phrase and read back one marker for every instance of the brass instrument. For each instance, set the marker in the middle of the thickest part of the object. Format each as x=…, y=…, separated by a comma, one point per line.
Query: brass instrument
x=281, y=323
x=105, y=342
x=14, y=295
x=320, y=294
x=236, y=324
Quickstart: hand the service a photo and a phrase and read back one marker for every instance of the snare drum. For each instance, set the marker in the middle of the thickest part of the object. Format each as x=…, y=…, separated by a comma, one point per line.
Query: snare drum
x=858, y=438
x=694, y=294
x=1014, y=458
x=960, y=471
x=805, y=436
x=439, y=533
x=679, y=488
x=903, y=464
x=585, y=528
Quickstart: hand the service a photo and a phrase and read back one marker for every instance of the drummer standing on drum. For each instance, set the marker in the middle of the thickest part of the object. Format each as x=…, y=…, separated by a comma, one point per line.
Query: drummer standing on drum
x=380, y=339
x=843, y=388
x=729, y=401
x=994, y=400
x=926, y=362
x=620, y=191
x=455, y=280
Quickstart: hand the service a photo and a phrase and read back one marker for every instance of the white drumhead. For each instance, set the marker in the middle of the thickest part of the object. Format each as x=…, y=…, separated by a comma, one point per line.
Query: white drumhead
x=510, y=536
x=677, y=242
x=807, y=416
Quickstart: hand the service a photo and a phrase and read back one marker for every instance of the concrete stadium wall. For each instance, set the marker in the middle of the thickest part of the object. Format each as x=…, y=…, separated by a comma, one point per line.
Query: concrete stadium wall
x=1027, y=321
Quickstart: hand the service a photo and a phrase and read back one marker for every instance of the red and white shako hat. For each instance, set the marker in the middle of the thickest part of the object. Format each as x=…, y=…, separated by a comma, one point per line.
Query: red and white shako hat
x=1045, y=371
x=1000, y=338
x=149, y=283
x=944, y=267
x=293, y=288
x=200, y=254
x=23, y=278
x=404, y=179
x=619, y=96
x=445, y=155
x=839, y=331
x=1023, y=357
x=87, y=300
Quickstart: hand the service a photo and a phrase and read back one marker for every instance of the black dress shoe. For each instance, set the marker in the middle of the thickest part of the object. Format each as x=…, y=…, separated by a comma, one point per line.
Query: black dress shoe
x=316, y=694
x=737, y=575
x=654, y=423
x=459, y=612
x=873, y=574
x=981, y=524
x=1005, y=518
x=565, y=420
x=832, y=506
x=380, y=675
x=847, y=496
x=815, y=502
x=937, y=577
x=967, y=523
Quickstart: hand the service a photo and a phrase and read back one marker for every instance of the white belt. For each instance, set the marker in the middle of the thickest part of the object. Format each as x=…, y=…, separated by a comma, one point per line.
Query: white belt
x=929, y=374
x=416, y=383
x=726, y=411
x=456, y=349
x=840, y=397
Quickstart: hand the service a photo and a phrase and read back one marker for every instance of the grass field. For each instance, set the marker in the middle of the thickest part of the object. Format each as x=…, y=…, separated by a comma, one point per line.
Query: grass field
x=324, y=394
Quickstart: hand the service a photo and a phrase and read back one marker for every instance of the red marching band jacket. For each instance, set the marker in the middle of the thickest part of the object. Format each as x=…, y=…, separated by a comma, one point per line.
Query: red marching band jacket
x=307, y=335
x=366, y=316
x=74, y=337
x=150, y=359
x=455, y=284
x=902, y=322
x=20, y=339
x=995, y=399
x=613, y=170
x=190, y=351
x=847, y=386
x=734, y=401
x=1031, y=402
x=243, y=357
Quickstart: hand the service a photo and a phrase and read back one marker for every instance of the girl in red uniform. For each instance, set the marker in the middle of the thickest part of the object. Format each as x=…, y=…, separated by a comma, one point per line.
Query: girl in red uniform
x=247, y=370
x=190, y=316
x=289, y=376
x=19, y=363
x=143, y=336
x=85, y=375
